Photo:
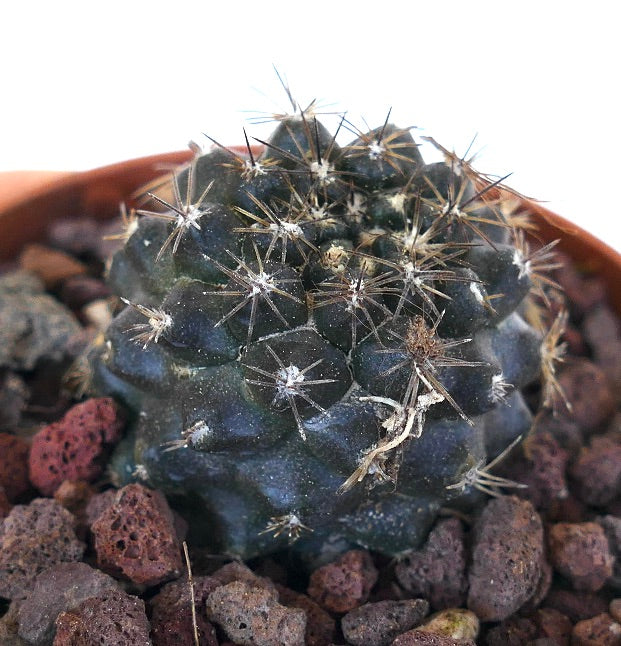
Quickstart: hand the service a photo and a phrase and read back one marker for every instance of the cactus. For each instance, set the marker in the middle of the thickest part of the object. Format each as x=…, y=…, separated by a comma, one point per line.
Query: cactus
x=321, y=343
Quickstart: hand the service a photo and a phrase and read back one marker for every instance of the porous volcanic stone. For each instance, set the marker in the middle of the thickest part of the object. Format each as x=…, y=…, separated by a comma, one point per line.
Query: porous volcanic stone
x=437, y=572
x=135, y=537
x=252, y=616
x=171, y=613
x=113, y=618
x=507, y=555
x=345, y=584
x=75, y=448
x=377, y=624
x=33, y=538
x=58, y=588
x=580, y=552
x=13, y=466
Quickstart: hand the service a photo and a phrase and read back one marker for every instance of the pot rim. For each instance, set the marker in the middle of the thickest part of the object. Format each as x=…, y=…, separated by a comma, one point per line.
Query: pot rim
x=98, y=193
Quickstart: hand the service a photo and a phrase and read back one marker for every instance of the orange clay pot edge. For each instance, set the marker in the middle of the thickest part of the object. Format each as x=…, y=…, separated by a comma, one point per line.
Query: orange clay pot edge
x=31, y=204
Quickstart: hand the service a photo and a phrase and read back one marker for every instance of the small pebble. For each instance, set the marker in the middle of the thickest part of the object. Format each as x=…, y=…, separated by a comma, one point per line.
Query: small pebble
x=506, y=558
x=580, y=552
x=601, y=630
x=457, y=623
x=50, y=265
x=345, y=584
x=135, y=537
x=377, y=624
x=252, y=616
x=113, y=618
x=97, y=313
x=615, y=609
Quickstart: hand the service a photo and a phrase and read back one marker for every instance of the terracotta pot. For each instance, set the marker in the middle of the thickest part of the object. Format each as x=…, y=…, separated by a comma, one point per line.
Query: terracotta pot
x=29, y=202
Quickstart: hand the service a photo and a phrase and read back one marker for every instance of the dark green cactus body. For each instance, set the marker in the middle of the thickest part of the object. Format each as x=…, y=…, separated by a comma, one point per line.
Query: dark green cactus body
x=324, y=346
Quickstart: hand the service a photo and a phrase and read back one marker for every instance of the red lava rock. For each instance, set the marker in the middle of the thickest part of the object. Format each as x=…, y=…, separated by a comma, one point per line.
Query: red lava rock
x=171, y=613
x=377, y=624
x=566, y=510
x=543, y=587
x=601, y=630
x=76, y=236
x=345, y=584
x=13, y=466
x=596, y=472
x=236, y=571
x=33, y=538
x=78, y=291
x=320, y=626
x=564, y=430
x=135, y=537
x=584, y=293
x=553, y=624
x=574, y=604
x=507, y=557
x=50, y=265
x=98, y=504
x=580, y=552
x=113, y=618
x=437, y=572
x=615, y=609
x=602, y=331
x=587, y=388
x=542, y=470
x=515, y=631
x=58, y=588
x=75, y=448
x=253, y=616
x=421, y=638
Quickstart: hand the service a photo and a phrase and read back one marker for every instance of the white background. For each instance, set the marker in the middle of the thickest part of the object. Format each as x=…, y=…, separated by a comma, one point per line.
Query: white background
x=87, y=84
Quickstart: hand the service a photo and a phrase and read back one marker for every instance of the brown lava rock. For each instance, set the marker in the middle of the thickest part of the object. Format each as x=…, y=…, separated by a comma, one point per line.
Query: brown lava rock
x=506, y=558
x=56, y=589
x=50, y=265
x=596, y=472
x=113, y=618
x=601, y=630
x=320, y=626
x=13, y=466
x=437, y=572
x=345, y=584
x=377, y=624
x=75, y=448
x=514, y=631
x=580, y=552
x=587, y=388
x=33, y=538
x=253, y=616
x=171, y=613
x=553, y=624
x=135, y=537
